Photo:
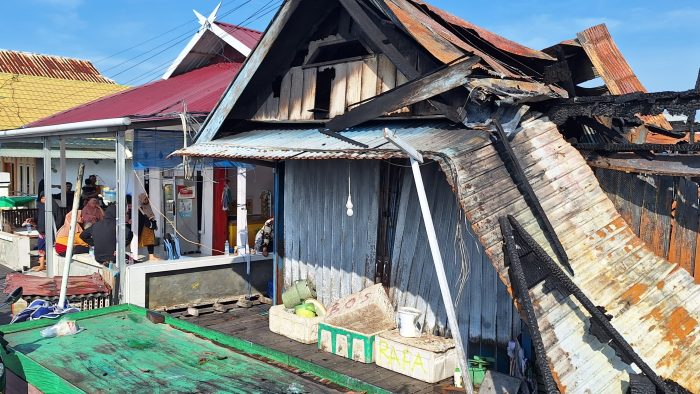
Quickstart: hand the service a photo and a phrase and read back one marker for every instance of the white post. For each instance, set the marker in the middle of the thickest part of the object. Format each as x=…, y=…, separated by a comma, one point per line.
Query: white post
x=48, y=208
x=416, y=157
x=155, y=196
x=138, y=179
x=207, y=213
x=241, y=212
x=62, y=164
x=71, y=235
x=121, y=210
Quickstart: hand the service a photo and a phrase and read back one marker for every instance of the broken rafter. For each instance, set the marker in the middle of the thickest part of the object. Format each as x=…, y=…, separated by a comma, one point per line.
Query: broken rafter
x=625, y=106
x=420, y=89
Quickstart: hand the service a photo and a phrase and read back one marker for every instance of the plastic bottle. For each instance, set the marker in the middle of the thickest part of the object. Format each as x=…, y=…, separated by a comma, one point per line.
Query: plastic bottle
x=458, y=377
x=227, y=251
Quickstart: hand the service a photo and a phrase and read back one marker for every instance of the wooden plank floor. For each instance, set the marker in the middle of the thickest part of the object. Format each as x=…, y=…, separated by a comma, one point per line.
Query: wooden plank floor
x=252, y=325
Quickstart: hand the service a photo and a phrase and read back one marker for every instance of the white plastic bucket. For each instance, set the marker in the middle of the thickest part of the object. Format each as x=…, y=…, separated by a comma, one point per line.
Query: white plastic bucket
x=408, y=320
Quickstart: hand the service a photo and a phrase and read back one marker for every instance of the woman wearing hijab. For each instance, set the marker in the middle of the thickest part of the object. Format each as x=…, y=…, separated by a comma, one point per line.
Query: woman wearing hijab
x=147, y=226
x=79, y=246
x=92, y=213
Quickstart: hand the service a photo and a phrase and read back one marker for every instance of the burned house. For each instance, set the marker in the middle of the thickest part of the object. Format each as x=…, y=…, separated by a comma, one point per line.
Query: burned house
x=507, y=131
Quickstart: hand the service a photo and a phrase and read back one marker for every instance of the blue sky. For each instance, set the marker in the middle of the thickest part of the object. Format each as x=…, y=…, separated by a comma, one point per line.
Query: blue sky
x=658, y=38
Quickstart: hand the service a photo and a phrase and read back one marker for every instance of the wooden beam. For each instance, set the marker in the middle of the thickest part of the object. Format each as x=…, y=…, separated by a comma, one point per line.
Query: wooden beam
x=676, y=165
x=412, y=92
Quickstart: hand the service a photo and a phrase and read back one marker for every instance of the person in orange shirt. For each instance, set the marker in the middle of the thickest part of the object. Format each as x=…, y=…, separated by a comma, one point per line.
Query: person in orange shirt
x=61, y=245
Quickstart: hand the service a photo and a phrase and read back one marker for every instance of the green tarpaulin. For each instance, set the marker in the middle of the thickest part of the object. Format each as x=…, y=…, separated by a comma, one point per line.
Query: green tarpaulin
x=10, y=202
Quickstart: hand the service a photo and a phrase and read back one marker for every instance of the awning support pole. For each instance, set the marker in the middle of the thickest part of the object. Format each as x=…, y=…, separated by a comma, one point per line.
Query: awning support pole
x=62, y=164
x=71, y=235
x=48, y=208
x=417, y=158
x=241, y=211
x=121, y=212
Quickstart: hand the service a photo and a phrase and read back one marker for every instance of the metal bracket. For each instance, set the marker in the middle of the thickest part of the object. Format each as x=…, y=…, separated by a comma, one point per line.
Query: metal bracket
x=343, y=138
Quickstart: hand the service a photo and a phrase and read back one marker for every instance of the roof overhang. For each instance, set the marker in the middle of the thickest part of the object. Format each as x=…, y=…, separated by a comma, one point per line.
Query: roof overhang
x=55, y=153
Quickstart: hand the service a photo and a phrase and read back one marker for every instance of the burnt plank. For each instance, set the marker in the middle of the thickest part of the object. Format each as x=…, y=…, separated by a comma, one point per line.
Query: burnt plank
x=409, y=93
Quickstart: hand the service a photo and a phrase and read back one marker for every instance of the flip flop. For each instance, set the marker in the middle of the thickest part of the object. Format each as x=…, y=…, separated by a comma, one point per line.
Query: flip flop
x=37, y=269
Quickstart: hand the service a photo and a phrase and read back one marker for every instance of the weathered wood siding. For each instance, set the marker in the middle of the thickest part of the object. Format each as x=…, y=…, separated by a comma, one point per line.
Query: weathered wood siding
x=354, y=81
x=322, y=243
x=661, y=210
x=338, y=252
x=484, y=307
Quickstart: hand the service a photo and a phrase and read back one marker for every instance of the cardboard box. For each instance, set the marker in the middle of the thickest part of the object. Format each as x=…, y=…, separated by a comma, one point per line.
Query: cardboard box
x=300, y=329
x=427, y=358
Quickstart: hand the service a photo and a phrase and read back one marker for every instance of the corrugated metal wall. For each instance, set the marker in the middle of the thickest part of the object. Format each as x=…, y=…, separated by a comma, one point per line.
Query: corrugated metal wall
x=484, y=307
x=338, y=252
x=661, y=210
x=322, y=243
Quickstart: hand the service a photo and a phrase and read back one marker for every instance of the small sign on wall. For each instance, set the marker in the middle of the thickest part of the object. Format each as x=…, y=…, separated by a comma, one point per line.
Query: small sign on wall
x=185, y=192
x=184, y=208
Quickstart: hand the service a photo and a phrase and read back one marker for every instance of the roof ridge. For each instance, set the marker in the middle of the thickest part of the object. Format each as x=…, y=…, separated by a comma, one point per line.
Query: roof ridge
x=237, y=26
x=52, y=66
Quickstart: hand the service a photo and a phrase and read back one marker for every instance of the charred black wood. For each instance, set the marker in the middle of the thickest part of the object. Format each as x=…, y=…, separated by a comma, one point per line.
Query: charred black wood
x=517, y=279
x=423, y=88
x=343, y=138
x=516, y=172
x=596, y=315
x=625, y=106
x=639, y=147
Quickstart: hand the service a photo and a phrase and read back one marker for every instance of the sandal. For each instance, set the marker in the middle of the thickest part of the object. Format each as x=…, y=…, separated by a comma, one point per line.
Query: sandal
x=38, y=269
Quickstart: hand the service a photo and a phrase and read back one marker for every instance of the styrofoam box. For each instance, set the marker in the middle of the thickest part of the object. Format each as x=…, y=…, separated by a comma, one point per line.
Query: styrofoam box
x=346, y=343
x=300, y=329
x=427, y=358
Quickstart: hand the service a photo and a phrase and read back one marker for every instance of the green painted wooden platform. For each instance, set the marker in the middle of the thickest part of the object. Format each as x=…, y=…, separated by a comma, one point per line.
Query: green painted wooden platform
x=120, y=350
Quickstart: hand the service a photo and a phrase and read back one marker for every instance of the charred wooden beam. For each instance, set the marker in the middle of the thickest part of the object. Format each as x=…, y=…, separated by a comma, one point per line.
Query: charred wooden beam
x=343, y=138
x=518, y=175
x=597, y=315
x=419, y=89
x=670, y=165
x=517, y=279
x=625, y=105
x=376, y=35
x=639, y=147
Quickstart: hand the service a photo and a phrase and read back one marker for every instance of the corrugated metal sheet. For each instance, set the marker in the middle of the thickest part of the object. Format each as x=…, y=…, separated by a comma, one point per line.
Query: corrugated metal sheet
x=337, y=252
x=199, y=89
x=247, y=37
x=497, y=41
x=655, y=305
x=58, y=67
x=614, y=69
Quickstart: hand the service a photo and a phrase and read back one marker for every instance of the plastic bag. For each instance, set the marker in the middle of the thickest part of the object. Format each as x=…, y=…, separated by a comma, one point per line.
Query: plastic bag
x=64, y=327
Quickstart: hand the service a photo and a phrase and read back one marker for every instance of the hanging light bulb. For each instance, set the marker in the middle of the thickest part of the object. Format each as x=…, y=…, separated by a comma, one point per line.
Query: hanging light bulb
x=348, y=205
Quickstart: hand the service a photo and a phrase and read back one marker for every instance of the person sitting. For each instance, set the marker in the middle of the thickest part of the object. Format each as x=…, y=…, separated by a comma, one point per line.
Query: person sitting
x=79, y=246
x=147, y=226
x=103, y=236
x=92, y=213
x=39, y=220
x=89, y=190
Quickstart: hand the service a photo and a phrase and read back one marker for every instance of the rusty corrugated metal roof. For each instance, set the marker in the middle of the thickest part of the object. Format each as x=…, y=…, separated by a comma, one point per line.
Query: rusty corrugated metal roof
x=614, y=69
x=497, y=41
x=57, y=67
x=655, y=305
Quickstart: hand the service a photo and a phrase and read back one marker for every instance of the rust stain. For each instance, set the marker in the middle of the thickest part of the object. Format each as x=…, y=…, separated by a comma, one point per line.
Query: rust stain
x=669, y=359
x=680, y=325
x=555, y=375
x=634, y=293
x=661, y=284
x=655, y=314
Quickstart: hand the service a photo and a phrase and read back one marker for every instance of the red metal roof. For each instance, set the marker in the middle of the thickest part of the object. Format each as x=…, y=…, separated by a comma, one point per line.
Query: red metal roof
x=58, y=67
x=246, y=36
x=200, y=89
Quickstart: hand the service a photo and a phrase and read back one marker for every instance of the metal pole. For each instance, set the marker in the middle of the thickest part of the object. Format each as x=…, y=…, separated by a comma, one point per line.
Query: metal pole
x=442, y=277
x=62, y=164
x=48, y=208
x=241, y=211
x=121, y=211
x=71, y=235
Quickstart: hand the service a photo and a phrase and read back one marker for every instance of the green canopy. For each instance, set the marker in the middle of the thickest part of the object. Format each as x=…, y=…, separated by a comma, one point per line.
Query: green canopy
x=10, y=202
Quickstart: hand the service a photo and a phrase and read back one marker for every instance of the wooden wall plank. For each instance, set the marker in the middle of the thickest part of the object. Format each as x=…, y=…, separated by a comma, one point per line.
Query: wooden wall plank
x=285, y=95
x=386, y=74
x=308, y=100
x=369, y=78
x=400, y=80
x=353, y=93
x=338, y=88
x=296, y=93
x=649, y=225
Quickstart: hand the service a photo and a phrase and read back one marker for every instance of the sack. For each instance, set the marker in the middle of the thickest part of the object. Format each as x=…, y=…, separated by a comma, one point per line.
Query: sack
x=153, y=225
